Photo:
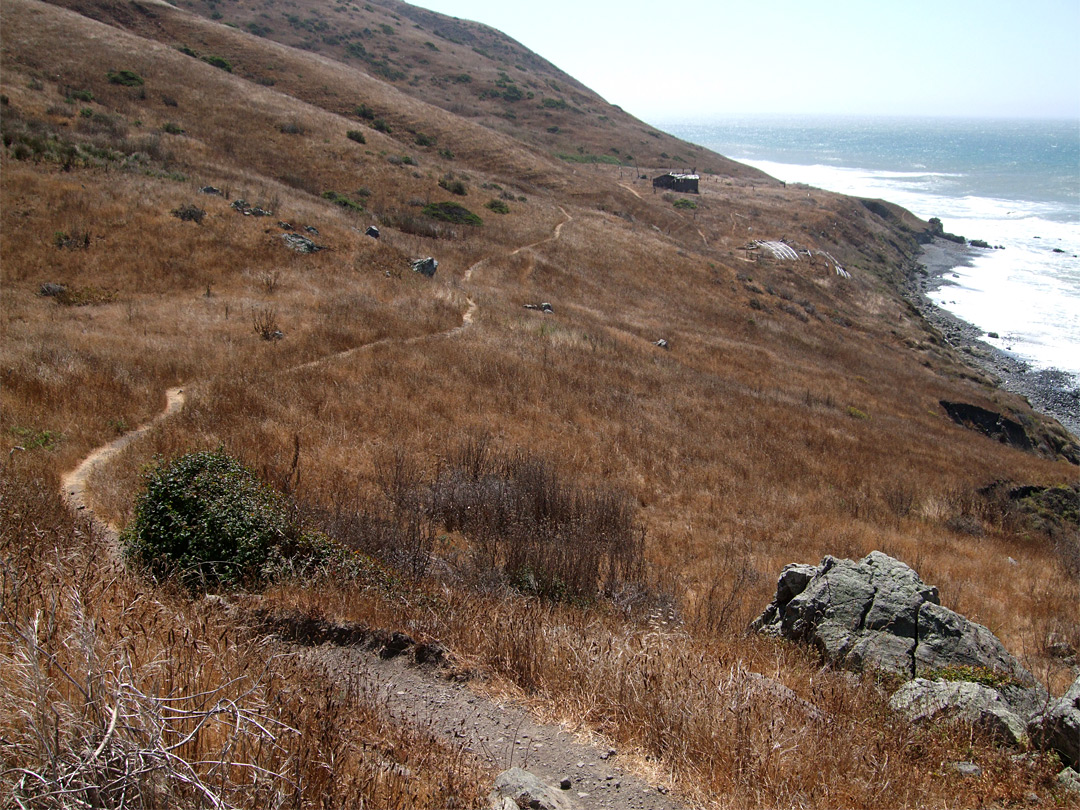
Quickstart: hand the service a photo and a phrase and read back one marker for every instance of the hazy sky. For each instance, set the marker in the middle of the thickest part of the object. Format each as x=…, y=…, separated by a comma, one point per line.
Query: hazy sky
x=695, y=58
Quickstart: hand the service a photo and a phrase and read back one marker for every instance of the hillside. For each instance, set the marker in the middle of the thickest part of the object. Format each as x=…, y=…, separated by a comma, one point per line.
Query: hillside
x=161, y=164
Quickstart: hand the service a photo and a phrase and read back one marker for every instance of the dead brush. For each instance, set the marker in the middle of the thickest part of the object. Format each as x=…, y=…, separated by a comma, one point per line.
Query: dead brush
x=264, y=322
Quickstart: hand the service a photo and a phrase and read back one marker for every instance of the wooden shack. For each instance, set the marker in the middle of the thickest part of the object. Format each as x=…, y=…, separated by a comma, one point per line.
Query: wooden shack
x=683, y=183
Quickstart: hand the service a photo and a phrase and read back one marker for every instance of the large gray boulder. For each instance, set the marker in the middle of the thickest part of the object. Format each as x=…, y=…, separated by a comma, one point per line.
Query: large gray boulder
x=922, y=701
x=1058, y=727
x=877, y=613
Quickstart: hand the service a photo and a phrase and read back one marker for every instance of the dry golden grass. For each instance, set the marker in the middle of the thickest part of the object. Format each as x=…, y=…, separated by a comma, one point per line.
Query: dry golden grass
x=114, y=694
x=744, y=447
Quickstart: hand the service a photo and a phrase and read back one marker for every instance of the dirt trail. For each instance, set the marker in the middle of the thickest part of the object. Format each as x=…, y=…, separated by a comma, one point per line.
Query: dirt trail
x=502, y=735
x=73, y=484
x=499, y=734
x=631, y=189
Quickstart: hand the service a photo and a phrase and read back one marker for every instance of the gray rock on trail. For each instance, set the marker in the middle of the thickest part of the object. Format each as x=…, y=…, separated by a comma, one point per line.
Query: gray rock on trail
x=923, y=701
x=1058, y=727
x=515, y=788
x=877, y=613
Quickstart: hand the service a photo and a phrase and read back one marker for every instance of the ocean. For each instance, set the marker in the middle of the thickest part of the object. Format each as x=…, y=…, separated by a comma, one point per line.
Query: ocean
x=1012, y=183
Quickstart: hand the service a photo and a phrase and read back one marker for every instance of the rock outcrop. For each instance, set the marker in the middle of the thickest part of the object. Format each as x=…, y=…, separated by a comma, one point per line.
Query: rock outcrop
x=877, y=613
x=1058, y=727
x=921, y=701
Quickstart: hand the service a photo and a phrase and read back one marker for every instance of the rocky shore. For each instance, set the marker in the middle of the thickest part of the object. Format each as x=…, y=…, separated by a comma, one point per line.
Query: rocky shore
x=1049, y=391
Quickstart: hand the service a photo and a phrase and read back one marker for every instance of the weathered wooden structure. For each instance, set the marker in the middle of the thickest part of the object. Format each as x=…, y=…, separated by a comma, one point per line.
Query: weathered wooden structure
x=673, y=181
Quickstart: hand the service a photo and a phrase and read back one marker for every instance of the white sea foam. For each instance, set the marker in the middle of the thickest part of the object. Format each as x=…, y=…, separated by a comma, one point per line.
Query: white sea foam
x=1027, y=293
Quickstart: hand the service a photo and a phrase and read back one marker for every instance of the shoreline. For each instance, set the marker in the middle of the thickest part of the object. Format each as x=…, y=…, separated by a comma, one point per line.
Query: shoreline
x=1049, y=391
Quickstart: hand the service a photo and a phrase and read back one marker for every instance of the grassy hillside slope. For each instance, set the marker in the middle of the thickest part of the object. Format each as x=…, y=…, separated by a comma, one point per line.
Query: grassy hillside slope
x=795, y=412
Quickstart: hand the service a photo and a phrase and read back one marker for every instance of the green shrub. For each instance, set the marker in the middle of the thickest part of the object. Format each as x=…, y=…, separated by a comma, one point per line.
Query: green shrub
x=855, y=413
x=127, y=78
x=425, y=140
x=172, y=128
x=208, y=520
x=219, y=62
x=498, y=206
x=379, y=125
x=453, y=185
x=80, y=95
x=451, y=212
x=356, y=135
x=340, y=199
x=685, y=204
x=554, y=103
x=365, y=112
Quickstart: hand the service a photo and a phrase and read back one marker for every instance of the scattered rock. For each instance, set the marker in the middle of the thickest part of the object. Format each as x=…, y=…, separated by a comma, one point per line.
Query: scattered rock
x=211, y=190
x=372, y=231
x=301, y=244
x=1058, y=727
x=545, y=307
x=566, y=783
x=425, y=267
x=250, y=210
x=663, y=344
x=285, y=226
x=312, y=230
x=50, y=290
x=966, y=768
x=1069, y=779
x=922, y=701
x=527, y=790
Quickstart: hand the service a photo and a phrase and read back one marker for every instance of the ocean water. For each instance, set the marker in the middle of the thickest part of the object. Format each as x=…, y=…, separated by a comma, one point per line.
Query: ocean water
x=1011, y=183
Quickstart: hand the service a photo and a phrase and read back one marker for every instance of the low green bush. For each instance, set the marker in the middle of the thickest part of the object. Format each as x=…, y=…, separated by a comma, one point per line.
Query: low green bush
x=219, y=62
x=451, y=212
x=498, y=206
x=207, y=520
x=126, y=78
x=356, y=135
x=337, y=198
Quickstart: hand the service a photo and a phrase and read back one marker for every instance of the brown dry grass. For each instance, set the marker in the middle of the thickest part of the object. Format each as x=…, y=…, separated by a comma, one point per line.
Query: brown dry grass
x=741, y=447
x=115, y=694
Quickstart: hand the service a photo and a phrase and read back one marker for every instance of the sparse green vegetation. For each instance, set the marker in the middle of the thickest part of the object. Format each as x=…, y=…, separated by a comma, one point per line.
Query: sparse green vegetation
x=498, y=206
x=219, y=62
x=685, y=204
x=455, y=185
x=343, y=200
x=356, y=135
x=452, y=212
x=126, y=78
